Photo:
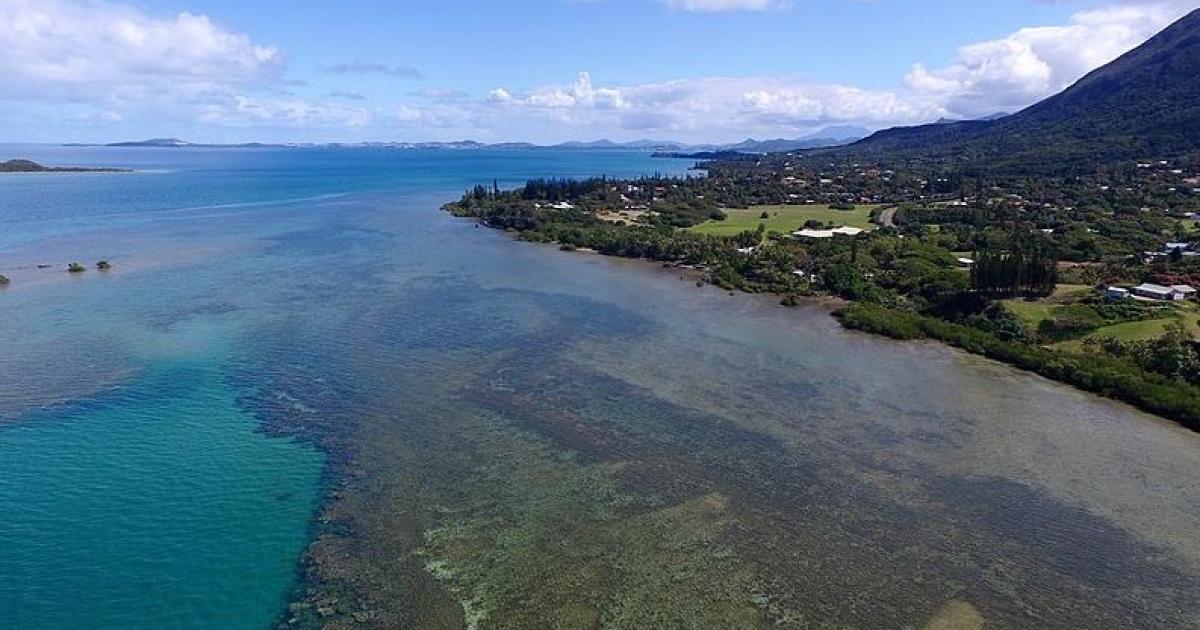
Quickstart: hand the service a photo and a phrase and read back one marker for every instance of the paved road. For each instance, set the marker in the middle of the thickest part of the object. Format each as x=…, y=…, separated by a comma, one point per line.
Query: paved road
x=886, y=217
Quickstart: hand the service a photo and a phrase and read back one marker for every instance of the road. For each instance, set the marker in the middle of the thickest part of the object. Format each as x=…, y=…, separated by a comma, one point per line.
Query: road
x=887, y=218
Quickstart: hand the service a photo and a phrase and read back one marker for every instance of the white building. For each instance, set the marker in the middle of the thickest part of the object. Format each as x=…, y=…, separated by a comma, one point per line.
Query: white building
x=1184, y=292
x=1155, y=292
x=841, y=231
x=1116, y=293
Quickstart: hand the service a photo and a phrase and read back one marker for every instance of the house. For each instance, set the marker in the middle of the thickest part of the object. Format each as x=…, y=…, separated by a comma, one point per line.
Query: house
x=1183, y=292
x=1154, y=292
x=1116, y=293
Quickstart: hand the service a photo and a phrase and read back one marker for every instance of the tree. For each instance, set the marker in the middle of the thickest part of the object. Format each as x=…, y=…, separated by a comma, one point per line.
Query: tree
x=1020, y=271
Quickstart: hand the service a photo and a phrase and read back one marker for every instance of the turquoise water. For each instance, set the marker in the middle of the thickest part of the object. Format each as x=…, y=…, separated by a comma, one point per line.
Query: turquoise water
x=155, y=505
x=281, y=321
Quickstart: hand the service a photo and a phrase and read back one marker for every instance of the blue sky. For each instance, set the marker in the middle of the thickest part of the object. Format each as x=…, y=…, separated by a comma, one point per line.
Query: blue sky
x=539, y=70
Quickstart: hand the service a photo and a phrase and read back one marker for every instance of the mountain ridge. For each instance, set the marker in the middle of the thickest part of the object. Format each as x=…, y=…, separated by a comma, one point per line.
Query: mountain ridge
x=1145, y=103
x=830, y=136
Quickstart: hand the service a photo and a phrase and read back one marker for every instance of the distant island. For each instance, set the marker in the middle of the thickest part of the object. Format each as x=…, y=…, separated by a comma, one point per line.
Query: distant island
x=828, y=137
x=28, y=166
x=153, y=142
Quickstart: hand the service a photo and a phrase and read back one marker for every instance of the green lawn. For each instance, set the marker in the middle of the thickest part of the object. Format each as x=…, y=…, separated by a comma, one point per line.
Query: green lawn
x=785, y=219
x=1149, y=329
x=1032, y=313
x=1140, y=331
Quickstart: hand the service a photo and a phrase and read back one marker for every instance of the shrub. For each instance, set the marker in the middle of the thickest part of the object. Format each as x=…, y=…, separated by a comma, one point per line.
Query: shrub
x=76, y=268
x=1107, y=376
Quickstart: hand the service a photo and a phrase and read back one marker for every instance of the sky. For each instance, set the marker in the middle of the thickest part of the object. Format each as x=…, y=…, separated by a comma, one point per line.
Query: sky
x=698, y=71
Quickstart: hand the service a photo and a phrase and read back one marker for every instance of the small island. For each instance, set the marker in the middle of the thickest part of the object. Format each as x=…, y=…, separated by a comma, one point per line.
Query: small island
x=29, y=166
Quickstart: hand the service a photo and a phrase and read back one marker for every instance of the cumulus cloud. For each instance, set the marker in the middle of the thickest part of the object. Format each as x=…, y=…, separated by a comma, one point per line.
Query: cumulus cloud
x=1014, y=71
x=75, y=49
x=98, y=63
x=716, y=106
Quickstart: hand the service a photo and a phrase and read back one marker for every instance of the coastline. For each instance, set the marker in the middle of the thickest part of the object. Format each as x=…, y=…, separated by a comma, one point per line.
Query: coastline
x=1147, y=394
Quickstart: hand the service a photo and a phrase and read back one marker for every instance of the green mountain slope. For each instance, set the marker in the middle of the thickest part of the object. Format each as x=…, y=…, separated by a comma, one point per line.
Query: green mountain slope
x=1146, y=104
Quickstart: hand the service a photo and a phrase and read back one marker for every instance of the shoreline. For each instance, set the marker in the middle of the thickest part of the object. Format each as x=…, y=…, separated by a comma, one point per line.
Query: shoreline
x=1078, y=373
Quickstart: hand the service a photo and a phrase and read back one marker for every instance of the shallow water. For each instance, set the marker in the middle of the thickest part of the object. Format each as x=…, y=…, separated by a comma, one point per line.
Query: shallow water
x=517, y=436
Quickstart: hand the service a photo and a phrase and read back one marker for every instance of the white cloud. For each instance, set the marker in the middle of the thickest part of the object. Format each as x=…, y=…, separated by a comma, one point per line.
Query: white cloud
x=97, y=64
x=1015, y=71
x=714, y=107
x=367, y=67
x=73, y=48
x=250, y=111
x=1005, y=74
x=720, y=6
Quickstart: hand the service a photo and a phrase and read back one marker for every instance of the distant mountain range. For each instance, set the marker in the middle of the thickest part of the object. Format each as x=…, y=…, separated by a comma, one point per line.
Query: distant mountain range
x=1145, y=104
x=831, y=136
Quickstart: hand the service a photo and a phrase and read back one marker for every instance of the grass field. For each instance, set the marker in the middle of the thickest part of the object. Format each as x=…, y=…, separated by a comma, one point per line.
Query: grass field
x=1032, y=313
x=784, y=219
x=1140, y=331
x=1149, y=329
x=1145, y=330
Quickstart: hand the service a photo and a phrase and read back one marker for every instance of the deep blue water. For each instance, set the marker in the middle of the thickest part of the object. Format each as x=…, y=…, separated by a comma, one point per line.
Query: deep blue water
x=156, y=470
